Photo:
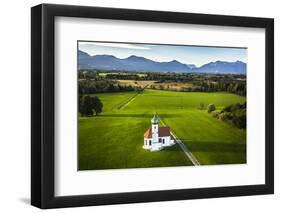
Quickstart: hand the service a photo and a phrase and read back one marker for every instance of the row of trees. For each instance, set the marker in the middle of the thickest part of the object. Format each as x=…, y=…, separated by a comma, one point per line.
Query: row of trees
x=160, y=76
x=238, y=88
x=122, y=76
x=234, y=114
x=89, y=105
x=88, y=86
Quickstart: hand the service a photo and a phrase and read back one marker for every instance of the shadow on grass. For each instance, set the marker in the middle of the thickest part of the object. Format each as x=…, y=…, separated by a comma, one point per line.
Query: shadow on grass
x=174, y=148
x=214, y=146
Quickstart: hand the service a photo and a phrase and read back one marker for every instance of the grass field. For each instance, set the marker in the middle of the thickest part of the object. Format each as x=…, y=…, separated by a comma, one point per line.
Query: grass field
x=114, y=139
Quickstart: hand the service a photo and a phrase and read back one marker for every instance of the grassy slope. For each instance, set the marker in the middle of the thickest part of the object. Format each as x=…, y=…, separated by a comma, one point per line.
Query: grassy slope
x=102, y=141
x=210, y=140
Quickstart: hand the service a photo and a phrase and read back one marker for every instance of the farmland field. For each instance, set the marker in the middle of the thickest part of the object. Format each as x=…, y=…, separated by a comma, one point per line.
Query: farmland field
x=114, y=138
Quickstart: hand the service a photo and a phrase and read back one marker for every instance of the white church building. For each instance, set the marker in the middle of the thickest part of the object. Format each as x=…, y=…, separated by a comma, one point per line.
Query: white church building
x=156, y=138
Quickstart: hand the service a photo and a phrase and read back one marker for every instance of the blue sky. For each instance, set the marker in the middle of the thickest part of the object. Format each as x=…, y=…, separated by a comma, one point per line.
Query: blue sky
x=197, y=55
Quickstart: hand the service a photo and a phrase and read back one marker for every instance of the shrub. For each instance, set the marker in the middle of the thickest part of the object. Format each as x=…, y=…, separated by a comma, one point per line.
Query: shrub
x=225, y=116
x=215, y=114
x=211, y=108
x=239, y=118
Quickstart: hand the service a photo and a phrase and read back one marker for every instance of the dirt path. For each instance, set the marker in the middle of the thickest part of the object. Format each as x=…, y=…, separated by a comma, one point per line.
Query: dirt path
x=191, y=157
x=186, y=151
x=126, y=102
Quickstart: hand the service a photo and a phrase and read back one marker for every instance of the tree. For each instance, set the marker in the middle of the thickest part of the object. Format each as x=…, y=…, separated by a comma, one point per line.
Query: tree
x=239, y=118
x=225, y=116
x=89, y=105
x=211, y=108
x=86, y=106
x=97, y=105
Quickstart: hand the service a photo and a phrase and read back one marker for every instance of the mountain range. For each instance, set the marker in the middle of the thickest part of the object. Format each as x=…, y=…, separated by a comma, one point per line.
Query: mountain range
x=141, y=64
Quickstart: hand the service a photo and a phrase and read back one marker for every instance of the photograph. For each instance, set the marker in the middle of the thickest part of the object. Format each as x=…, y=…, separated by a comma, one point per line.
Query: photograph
x=160, y=105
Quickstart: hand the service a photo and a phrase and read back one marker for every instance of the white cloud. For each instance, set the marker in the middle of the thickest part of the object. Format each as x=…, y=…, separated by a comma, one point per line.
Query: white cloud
x=118, y=45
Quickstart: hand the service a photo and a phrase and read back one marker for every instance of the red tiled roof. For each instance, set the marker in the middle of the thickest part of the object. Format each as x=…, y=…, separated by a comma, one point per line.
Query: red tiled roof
x=163, y=131
x=148, y=133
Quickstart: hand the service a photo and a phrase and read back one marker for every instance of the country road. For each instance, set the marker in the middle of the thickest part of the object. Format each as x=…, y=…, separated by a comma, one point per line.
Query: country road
x=186, y=151
x=124, y=103
x=191, y=157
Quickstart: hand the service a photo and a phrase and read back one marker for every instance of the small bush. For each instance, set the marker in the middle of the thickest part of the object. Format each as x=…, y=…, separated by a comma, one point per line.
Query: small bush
x=211, y=108
x=215, y=114
x=224, y=116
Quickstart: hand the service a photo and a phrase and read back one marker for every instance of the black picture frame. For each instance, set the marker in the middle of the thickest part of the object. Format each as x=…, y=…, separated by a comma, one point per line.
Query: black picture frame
x=43, y=102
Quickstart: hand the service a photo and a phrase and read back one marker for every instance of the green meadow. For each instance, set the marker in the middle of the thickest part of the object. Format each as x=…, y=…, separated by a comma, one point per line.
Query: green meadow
x=114, y=139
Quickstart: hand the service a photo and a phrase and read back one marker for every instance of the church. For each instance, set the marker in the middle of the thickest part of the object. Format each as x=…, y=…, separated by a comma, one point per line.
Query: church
x=156, y=138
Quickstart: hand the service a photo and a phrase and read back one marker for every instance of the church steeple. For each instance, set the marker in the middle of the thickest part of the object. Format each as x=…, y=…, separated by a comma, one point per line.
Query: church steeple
x=154, y=120
x=154, y=129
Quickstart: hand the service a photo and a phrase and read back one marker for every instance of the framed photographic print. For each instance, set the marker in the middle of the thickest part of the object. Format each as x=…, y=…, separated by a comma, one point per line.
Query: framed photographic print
x=141, y=106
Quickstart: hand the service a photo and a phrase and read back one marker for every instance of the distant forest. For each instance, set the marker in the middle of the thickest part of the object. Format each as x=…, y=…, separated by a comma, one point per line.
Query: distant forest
x=96, y=81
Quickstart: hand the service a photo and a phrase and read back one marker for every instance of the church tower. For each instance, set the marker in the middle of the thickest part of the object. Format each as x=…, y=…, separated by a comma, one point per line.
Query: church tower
x=154, y=129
